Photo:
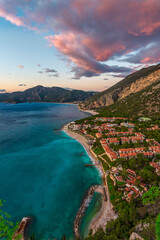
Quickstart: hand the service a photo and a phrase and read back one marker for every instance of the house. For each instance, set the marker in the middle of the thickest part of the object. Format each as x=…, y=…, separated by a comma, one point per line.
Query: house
x=125, y=139
x=110, y=153
x=135, y=139
x=131, y=172
x=153, y=148
x=119, y=178
x=156, y=166
x=123, y=155
x=76, y=127
x=126, y=150
x=148, y=154
x=83, y=131
x=134, y=193
x=140, y=150
x=98, y=135
x=127, y=124
x=113, y=140
x=132, y=154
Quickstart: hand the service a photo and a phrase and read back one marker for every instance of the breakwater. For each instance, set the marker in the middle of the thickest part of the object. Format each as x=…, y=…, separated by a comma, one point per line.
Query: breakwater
x=82, y=209
x=22, y=229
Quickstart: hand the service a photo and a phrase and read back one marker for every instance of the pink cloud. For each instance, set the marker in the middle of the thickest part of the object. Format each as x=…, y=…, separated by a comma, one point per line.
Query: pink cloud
x=10, y=17
x=20, y=66
x=89, y=33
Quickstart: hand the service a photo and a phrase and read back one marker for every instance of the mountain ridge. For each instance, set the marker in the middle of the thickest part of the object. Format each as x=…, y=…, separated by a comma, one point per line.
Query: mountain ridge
x=46, y=94
x=131, y=84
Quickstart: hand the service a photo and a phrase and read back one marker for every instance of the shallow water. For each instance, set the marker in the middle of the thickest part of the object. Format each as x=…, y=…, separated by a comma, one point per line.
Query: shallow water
x=90, y=213
x=42, y=171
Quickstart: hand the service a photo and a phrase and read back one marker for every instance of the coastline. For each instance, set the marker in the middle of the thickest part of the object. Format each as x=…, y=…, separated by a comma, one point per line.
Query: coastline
x=106, y=212
x=83, y=141
x=88, y=111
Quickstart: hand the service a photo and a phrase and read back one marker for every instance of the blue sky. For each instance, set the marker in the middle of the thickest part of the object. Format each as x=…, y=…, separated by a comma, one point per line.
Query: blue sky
x=20, y=46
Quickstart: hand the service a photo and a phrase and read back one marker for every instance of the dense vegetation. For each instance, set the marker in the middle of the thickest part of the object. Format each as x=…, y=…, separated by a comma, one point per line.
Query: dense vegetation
x=46, y=94
x=7, y=227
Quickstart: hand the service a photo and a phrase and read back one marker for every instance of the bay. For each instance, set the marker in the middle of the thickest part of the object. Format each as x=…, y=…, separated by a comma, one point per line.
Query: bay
x=42, y=172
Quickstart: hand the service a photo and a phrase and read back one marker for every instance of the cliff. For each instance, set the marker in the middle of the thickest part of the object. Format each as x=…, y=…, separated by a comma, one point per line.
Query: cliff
x=132, y=84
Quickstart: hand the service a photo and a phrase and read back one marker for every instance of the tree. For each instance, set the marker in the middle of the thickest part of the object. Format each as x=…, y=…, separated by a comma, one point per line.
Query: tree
x=151, y=196
x=7, y=227
x=148, y=176
x=158, y=228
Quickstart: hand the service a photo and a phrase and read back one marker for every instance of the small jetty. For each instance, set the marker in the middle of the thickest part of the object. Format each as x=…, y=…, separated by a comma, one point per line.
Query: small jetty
x=90, y=165
x=22, y=229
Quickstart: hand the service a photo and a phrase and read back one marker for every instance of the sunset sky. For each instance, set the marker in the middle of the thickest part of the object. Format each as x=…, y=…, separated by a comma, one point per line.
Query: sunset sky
x=80, y=44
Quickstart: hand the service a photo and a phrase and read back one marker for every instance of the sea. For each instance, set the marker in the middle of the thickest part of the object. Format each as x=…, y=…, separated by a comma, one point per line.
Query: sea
x=42, y=169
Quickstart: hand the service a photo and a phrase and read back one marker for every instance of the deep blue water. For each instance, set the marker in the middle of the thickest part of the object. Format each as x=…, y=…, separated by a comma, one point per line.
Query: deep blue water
x=42, y=171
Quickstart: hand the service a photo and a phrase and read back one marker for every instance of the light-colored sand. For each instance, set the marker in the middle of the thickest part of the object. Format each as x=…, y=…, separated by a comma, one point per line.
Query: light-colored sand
x=104, y=215
x=106, y=212
x=89, y=111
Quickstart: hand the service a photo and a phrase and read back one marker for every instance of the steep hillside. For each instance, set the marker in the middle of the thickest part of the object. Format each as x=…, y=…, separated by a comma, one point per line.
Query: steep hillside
x=129, y=85
x=46, y=94
x=143, y=103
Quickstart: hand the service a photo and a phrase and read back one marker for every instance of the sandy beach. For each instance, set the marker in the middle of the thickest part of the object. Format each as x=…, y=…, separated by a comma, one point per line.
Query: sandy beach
x=89, y=111
x=106, y=212
x=104, y=215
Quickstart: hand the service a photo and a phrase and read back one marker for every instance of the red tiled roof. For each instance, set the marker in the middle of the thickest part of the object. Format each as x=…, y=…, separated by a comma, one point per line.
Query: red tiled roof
x=112, y=140
x=131, y=171
x=155, y=165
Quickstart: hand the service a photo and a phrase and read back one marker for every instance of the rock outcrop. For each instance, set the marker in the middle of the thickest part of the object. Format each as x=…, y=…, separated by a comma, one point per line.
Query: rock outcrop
x=135, y=236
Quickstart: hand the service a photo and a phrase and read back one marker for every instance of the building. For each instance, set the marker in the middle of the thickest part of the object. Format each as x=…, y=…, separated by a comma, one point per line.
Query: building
x=156, y=166
x=109, y=152
x=135, y=139
x=98, y=135
x=131, y=172
x=113, y=140
x=148, y=154
x=125, y=139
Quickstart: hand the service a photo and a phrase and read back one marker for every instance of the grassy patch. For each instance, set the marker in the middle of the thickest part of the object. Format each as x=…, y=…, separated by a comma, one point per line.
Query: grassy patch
x=98, y=151
x=112, y=164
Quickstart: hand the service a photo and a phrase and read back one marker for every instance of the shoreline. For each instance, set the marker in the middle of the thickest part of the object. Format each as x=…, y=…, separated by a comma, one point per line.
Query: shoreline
x=83, y=141
x=106, y=212
x=92, y=112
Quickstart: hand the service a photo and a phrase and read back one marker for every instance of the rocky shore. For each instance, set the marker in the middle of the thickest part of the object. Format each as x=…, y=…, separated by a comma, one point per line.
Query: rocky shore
x=82, y=210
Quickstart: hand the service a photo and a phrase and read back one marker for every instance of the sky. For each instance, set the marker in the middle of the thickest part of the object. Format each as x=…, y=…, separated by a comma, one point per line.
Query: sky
x=79, y=44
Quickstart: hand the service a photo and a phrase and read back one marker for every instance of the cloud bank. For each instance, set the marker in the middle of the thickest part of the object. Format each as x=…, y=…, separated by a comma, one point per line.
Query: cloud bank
x=90, y=32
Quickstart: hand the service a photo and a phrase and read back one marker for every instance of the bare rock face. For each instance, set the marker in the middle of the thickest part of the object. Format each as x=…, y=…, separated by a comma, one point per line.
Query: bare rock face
x=135, y=236
x=140, y=84
x=131, y=84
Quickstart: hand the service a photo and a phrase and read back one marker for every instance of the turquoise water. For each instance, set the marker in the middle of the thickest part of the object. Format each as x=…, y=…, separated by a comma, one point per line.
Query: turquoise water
x=42, y=171
x=91, y=211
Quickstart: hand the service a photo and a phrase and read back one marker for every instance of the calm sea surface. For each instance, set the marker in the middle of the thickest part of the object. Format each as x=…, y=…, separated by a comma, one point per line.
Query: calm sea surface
x=42, y=171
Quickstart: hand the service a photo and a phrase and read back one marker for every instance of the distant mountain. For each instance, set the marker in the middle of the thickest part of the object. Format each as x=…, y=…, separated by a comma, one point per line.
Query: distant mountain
x=46, y=94
x=132, y=84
